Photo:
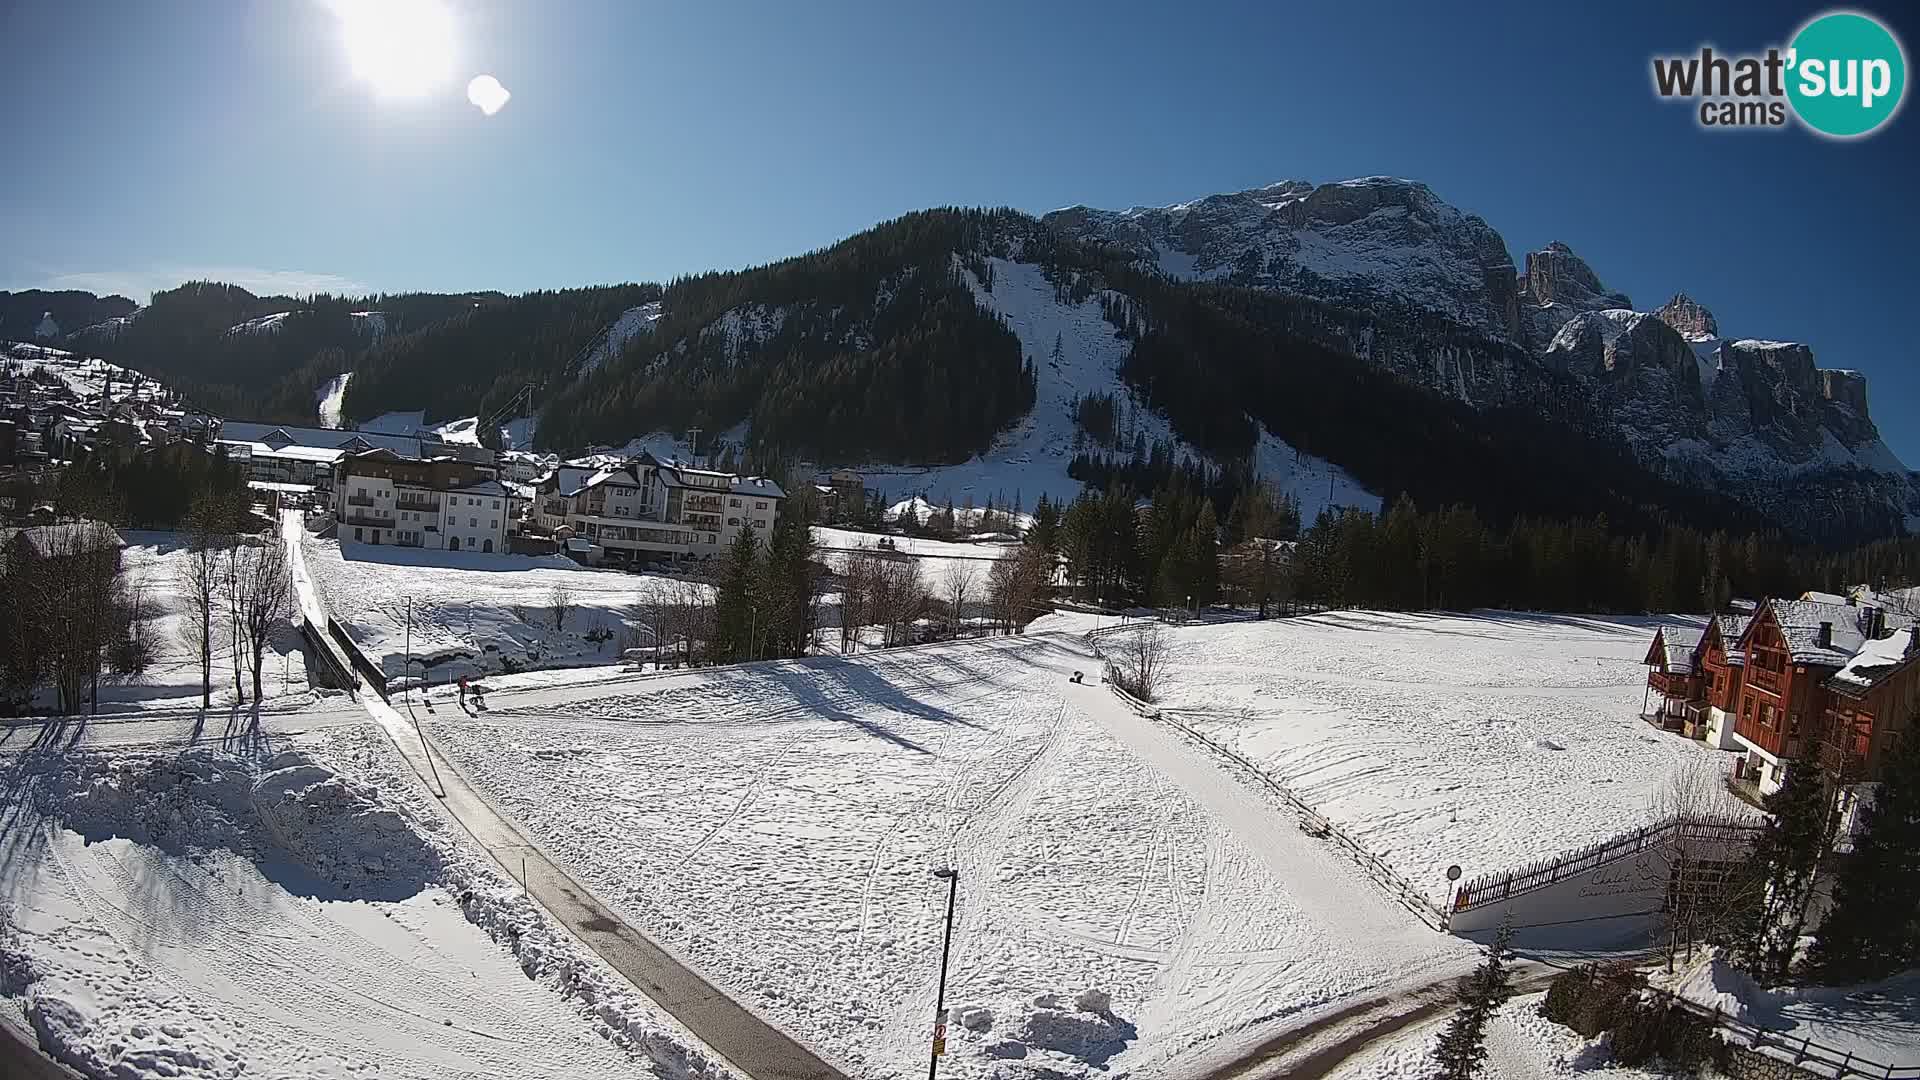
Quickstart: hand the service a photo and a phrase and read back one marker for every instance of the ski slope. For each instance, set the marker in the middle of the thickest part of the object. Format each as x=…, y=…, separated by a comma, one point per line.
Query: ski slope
x=1123, y=904
x=1032, y=458
x=328, y=399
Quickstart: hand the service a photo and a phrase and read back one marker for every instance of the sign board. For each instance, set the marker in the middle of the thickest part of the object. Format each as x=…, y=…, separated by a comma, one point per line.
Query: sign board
x=939, y=1040
x=1453, y=872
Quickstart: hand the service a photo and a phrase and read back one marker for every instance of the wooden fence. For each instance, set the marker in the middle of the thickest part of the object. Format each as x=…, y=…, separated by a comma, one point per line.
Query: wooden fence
x=1501, y=885
x=1396, y=886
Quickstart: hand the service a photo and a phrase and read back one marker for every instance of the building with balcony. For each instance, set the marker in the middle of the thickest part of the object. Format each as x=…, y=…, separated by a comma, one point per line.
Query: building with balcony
x=380, y=497
x=647, y=510
x=1791, y=691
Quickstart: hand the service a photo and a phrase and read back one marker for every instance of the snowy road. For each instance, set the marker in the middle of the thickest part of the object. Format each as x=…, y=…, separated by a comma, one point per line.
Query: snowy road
x=776, y=825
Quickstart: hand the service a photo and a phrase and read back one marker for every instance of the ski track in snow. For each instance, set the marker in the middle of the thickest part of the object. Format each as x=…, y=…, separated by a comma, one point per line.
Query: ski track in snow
x=779, y=827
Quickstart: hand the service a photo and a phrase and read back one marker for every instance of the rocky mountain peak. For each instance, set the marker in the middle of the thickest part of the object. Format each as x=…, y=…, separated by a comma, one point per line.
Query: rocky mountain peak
x=1555, y=275
x=1360, y=243
x=1685, y=314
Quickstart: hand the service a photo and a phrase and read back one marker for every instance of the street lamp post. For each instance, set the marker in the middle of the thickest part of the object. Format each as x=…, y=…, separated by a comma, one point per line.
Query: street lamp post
x=940, y=999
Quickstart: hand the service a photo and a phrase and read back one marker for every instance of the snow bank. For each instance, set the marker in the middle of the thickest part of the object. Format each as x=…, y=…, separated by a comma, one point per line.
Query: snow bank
x=201, y=914
x=1047, y=1036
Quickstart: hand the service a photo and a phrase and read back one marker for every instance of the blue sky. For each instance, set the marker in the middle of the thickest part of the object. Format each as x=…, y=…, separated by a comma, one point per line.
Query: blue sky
x=148, y=143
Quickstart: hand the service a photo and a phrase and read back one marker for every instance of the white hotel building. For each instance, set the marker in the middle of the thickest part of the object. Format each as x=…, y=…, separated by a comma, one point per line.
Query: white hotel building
x=647, y=510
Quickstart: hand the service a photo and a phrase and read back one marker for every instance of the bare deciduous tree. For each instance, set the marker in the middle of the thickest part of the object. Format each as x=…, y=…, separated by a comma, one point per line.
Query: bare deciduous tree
x=1702, y=871
x=1139, y=659
x=264, y=597
x=1015, y=585
x=559, y=606
x=957, y=586
x=198, y=578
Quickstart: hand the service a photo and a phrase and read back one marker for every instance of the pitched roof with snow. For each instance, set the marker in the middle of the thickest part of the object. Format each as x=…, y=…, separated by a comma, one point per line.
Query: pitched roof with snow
x=70, y=538
x=330, y=438
x=1732, y=629
x=1875, y=662
x=1800, y=622
x=1673, y=648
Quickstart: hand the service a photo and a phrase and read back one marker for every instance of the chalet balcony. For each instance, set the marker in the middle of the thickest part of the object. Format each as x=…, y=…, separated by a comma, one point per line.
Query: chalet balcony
x=1766, y=680
x=359, y=500
x=415, y=503
x=367, y=519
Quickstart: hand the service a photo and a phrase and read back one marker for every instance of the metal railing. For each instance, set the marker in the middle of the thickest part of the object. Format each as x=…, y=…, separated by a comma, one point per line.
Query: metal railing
x=359, y=500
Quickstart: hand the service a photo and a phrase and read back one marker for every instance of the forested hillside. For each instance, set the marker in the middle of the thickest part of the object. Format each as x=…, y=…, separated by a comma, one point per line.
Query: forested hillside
x=873, y=348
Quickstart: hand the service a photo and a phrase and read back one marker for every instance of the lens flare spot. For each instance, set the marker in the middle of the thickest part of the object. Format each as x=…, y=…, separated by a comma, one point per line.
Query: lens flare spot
x=487, y=94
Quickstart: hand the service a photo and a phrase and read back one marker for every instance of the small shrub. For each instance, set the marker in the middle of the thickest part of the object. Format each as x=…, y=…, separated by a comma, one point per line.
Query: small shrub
x=509, y=666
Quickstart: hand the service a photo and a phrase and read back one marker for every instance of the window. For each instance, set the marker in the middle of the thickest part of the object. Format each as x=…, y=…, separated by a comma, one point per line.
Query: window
x=496, y=504
x=452, y=521
x=733, y=502
x=473, y=523
x=356, y=535
x=761, y=505
x=733, y=521
x=494, y=524
x=760, y=523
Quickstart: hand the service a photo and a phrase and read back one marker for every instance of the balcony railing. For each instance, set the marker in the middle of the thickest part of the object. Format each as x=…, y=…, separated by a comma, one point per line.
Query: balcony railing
x=417, y=504
x=368, y=519
x=359, y=500
x=1765, y=679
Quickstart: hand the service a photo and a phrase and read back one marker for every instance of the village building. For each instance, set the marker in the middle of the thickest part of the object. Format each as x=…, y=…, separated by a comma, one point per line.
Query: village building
x=1830, y=669
x=647, y=510
x=381, y=497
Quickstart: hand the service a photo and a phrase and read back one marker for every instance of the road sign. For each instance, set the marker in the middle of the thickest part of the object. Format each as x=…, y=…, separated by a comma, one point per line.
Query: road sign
x=939, y=1040
x=1453, y=872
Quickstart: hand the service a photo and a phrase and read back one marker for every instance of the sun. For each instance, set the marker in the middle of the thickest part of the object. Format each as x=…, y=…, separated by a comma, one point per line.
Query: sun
x=401, y=48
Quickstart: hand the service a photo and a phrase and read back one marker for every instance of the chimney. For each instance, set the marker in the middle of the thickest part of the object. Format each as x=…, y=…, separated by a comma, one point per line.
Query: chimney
x=1825, y=638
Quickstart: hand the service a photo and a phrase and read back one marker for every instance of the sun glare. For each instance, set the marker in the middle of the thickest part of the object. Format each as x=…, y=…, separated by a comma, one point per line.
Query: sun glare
x=401, y=48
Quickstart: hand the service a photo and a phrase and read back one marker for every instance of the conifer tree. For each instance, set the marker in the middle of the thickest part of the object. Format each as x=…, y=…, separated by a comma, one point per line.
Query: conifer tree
x=1463, y=1046
x=734, y=610
x=1783, y=861
x=1873, y=929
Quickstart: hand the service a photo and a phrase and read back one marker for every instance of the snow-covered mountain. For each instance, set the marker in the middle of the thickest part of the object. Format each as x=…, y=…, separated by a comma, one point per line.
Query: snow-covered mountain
x=1757, y=420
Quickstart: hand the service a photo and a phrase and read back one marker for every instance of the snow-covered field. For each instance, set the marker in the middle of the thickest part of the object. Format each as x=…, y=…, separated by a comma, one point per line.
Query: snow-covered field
x=1122, y=902
x=1486, y=740
x=936, y=557
x=198, y=914
x=470, y=609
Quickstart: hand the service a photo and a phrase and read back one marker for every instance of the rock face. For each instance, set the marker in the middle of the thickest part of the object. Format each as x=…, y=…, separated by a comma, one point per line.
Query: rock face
x=1555, y=275
x=1373, y=242
x=1686, y=315
x=1757, y=420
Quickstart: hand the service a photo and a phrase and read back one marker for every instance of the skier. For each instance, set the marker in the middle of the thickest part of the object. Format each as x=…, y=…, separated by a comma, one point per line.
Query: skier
x=463, y=691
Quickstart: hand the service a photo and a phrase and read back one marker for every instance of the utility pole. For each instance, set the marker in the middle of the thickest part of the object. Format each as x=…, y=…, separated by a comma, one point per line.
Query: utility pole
x=940, y=999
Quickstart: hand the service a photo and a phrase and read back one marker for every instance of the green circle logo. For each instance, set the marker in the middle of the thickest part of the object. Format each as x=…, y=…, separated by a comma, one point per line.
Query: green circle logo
x=1847, y=74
